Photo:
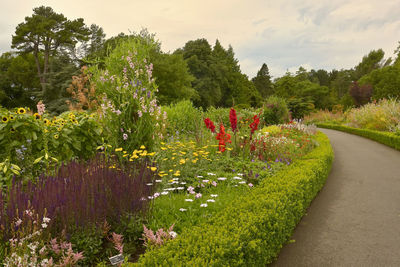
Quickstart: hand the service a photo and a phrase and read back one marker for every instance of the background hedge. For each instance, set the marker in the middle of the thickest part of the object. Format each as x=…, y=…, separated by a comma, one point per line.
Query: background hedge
x=252, y=230
x=386, y=138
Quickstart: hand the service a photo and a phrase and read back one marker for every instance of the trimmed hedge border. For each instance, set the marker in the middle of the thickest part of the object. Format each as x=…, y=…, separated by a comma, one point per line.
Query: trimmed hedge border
x=252, y=230
x=386, y=138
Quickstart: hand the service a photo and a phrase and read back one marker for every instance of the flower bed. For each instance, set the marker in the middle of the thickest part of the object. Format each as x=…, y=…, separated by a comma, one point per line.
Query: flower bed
x=252, y=228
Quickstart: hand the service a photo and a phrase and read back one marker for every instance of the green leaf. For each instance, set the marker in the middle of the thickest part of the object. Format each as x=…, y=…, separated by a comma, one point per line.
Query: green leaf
x=54, y=159
x=16, y=167
x=38, y=160
x=34, y=136
x=5, y=169
x=15, y=172
x=17, y=124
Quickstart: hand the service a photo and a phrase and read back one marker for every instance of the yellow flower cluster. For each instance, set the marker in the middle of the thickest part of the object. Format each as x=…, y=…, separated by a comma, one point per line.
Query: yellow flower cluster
x=177, y=155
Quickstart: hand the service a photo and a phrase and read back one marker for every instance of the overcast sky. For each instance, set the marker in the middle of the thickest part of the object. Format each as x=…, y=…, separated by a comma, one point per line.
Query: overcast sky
x=285, y=34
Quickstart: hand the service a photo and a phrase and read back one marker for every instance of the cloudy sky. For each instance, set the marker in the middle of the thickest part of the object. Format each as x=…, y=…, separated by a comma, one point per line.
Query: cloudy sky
x=285, y=34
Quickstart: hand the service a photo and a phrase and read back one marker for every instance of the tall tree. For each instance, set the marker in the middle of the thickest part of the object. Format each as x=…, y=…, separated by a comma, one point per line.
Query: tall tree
x=262, y=81
x=370, y=62
x=19, y=83
x=44, y=33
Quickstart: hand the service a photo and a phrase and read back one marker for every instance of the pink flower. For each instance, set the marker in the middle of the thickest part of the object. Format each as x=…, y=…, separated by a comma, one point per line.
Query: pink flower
x=125, y=136
x=214, y=183
x=198, y=195
x=251, y=185
x=40, y=107
x=118, y=242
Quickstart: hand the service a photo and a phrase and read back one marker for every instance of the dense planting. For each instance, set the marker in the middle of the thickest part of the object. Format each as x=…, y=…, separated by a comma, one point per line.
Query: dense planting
x=127, y=176
x=383, y=115
x=253, y=228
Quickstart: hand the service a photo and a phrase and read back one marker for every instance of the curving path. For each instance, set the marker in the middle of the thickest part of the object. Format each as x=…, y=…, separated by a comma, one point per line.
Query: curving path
x=355, y=219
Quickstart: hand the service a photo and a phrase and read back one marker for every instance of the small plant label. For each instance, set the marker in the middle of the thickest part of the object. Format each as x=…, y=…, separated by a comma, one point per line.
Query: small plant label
x=117, y=259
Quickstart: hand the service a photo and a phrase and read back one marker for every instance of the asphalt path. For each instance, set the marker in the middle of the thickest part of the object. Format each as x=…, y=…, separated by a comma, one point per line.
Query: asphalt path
x=355, y=219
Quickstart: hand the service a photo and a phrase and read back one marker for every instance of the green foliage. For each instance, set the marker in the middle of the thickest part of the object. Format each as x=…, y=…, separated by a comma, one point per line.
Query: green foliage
x=262, y=82
x=299, y=107
x=369, y=63
x=386, y=138
x=18, y=80
x=32, y=143
x=385, y=81
x=127, y=91
x=44, y=33
x=275, y=111
x=218, y=79
x=242, y=235
x=173, y=78
x=299, y=86
x=382, y=115
x=184, y=118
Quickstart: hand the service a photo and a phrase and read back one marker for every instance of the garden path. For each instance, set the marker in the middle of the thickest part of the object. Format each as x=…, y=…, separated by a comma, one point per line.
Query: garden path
x=355, y=219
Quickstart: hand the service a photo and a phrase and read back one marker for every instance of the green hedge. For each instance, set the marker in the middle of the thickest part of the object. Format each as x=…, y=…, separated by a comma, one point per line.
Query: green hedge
x=252, y=230
x=386, y=138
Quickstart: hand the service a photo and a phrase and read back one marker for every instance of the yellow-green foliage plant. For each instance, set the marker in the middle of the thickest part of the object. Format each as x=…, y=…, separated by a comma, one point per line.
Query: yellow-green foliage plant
x=382, y=115
x=252, y=230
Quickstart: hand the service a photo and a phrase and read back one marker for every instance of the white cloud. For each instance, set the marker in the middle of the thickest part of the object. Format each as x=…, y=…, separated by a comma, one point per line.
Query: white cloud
x=284, y=34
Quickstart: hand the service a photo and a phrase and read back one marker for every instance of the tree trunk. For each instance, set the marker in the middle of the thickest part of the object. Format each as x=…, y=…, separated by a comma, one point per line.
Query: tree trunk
x=41, y=78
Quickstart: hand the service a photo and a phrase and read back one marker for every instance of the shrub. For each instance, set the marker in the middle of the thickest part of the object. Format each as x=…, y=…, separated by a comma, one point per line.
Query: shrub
x=324, y=116
x=275, y=111
x=26, y=139
x=382, y=115
x=183, y=117
x=127, y=91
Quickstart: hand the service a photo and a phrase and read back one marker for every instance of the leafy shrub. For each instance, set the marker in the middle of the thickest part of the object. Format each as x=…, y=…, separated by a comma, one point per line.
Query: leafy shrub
x=252, y=230
x=183, y=117
x=127, y=91
x=29, y=143
x=300, y=106
x=275, y=111
x=321, y=116
x=382, y=115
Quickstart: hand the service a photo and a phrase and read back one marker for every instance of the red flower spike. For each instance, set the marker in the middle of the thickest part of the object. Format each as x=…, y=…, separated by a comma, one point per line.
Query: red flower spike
x=223, y=138
x=233, y=119
x=209, y=124
x=254, y=124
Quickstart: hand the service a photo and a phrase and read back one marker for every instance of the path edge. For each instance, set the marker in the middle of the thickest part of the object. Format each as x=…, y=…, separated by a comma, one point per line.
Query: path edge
x=386, y=138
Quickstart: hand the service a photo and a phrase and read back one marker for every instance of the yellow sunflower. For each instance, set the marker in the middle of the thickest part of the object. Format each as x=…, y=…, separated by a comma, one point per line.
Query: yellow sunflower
x=4, y=119
x=21, y=111
x=12, y=118
x=12, y=130
x=55, y=136
x=37, y=116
